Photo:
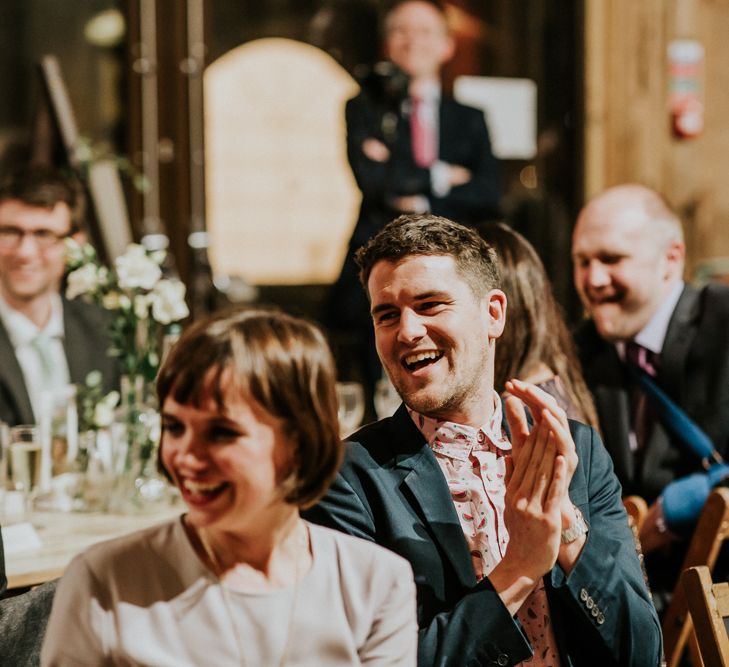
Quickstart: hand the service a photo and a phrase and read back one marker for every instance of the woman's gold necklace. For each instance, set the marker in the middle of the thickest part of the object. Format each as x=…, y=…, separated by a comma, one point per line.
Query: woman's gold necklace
x=212, y=557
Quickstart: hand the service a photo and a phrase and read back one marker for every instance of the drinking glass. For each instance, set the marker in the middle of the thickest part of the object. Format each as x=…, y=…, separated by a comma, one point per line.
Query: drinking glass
x=350, y=406
x=386, y=398
x=58, y=427
x=24, y=462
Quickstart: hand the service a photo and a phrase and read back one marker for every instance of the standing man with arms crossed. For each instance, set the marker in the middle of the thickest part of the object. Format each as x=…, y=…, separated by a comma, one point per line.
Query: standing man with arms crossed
x=515, y=554
x=628, y=253
x=424, y=152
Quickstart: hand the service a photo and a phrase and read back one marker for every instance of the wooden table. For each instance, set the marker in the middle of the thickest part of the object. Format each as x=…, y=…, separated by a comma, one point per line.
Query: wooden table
x=66, y=534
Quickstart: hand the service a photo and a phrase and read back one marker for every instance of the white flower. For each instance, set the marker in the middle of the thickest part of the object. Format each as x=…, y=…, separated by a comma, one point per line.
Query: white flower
x=141, y=306
x=158, y=256
x=74, y=252
x=104, y=410
x=111, y=300
x=136, y=269
x=168, y=301
x=93, y=379
x=82, y=281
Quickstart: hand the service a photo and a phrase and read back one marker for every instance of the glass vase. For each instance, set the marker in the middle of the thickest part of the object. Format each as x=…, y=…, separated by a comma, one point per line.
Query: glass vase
x=138, y=487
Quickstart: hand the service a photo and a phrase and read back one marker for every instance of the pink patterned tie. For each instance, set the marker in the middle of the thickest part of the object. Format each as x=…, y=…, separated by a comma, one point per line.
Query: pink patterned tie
x=422, y=136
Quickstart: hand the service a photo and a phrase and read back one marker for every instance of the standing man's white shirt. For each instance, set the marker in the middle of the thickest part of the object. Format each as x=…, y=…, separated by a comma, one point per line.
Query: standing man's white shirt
x=22, y=333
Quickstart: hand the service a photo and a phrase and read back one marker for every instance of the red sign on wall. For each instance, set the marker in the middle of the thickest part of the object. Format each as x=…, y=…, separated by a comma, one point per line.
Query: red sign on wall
x=686, y=87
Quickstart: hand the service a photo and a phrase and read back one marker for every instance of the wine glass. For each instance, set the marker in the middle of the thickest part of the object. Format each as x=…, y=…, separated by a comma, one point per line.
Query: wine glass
x=24, y=462
x=350, y=406
x=386, y=398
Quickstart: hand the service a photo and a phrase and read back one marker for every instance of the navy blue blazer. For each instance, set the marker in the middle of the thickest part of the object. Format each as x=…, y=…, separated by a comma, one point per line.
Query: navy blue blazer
x=391, y=490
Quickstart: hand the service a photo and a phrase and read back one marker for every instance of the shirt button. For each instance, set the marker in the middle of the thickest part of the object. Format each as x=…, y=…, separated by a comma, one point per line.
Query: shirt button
x=583, y=595
x=481, y=439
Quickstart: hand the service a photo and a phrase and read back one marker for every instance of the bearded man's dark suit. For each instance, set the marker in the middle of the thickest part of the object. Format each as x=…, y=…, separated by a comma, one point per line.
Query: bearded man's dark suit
x=693, y=370
x=391, y=490
x=86, y=344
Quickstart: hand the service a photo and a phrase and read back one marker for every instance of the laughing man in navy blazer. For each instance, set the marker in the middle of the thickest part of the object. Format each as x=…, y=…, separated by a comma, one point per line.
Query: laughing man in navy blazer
x=514, y=528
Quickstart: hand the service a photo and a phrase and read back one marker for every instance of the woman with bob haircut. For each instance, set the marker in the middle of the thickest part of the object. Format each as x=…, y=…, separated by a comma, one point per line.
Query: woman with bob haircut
x=249, y=437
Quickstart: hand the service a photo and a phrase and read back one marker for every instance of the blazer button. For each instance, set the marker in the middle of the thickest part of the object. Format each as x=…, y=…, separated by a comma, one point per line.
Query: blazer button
x=595, y=611
x=600, y=618
x=590, y=603
x=583, y=595
x=502, y=660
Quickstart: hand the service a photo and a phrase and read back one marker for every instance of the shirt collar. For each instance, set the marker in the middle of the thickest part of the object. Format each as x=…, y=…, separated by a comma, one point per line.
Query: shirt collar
x=429, y=92
x=653, y=335
x=458, y=440
x=22, y=330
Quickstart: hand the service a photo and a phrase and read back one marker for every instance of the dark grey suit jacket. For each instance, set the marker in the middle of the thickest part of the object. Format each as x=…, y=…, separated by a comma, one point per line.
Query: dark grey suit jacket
x=463, y=140
x=86, y=344
x=23, y=618
x=693, y=370
x=391, y=491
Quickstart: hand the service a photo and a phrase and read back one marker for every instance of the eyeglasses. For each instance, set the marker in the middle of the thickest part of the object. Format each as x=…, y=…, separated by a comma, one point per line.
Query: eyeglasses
x=12, y=237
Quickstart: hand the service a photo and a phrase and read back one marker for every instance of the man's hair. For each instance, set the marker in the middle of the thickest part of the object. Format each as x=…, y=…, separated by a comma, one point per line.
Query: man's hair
x=281, y=362
x=45, y=187
x=427, y=234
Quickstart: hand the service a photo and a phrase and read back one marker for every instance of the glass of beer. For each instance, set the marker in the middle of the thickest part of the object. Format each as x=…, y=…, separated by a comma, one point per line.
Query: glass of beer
x=24, y=461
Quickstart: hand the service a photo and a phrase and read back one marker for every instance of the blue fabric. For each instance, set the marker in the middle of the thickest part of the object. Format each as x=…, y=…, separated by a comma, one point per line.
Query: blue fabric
x=684, y=498
x=673, y=417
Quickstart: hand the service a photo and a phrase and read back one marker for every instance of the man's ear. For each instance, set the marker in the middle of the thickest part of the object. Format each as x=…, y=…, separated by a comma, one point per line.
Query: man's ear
x=449, y=50
x=675, y=258
x=495, y=302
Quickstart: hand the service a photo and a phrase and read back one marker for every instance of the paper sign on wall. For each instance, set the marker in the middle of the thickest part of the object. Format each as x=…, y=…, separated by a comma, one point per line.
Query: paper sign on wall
x=510, y=106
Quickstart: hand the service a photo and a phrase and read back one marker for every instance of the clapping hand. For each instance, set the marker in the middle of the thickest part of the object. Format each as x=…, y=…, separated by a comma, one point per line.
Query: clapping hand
x=537, y=507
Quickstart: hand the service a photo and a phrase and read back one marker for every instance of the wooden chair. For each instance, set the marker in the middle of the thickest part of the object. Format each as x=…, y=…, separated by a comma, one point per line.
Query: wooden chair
x=711, y=531
x=708, y=604
x=637, y=509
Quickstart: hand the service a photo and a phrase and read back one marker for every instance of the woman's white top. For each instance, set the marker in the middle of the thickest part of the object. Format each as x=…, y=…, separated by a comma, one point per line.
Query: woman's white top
x=148, y=599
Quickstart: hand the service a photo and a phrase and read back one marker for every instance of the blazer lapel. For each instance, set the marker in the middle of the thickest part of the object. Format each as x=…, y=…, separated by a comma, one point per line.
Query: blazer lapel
x=75, y=344
x=12, y=377
x=678, y=341
x=613, y=403
x=430, y=495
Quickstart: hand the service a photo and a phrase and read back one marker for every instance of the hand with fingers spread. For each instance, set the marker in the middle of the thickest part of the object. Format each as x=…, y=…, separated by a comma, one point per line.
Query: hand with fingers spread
x=536, y=486
x=543, y=406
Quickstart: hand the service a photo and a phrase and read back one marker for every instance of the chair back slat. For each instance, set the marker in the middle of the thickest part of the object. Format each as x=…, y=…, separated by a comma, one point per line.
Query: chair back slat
x=708, y=604
x=711, y=531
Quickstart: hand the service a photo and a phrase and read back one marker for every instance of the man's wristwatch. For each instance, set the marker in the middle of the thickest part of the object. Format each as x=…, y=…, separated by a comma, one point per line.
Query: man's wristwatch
x=576, y=529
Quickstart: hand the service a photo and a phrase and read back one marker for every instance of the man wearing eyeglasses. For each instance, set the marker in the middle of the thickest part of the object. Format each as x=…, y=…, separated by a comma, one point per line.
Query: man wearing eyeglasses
x=45, y=341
